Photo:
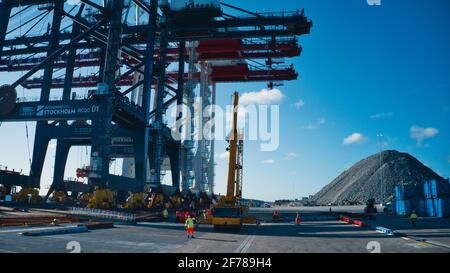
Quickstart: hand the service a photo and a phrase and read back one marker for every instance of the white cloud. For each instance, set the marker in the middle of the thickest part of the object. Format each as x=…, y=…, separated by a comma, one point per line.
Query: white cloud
x=223, y=155
x=382, y=115
x=355, y=138
x=264, y=96
x=316, y=125
x=420, y=134
x=299, y=104
x=290, y=156
x=268, y=161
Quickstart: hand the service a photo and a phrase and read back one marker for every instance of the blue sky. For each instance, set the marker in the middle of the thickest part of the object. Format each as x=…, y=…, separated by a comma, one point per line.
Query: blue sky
x=364, y=70
x=358, y=61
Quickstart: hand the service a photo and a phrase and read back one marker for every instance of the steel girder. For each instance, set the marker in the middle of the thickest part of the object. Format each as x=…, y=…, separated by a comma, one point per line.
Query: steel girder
x=295, y=24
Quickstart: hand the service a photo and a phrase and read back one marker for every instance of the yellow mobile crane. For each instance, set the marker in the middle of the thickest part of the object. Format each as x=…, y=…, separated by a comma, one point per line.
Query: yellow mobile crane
x=228, y=213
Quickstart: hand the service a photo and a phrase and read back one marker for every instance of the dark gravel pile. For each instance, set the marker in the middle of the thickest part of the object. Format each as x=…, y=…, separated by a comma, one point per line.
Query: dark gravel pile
x=375, y=177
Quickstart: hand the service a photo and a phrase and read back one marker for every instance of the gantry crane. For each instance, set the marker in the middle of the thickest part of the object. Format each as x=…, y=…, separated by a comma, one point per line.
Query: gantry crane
x=102, y=34
x=228, y=213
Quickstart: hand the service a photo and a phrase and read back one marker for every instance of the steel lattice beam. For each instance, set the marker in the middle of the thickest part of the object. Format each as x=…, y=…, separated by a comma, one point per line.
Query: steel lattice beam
x=62, y=51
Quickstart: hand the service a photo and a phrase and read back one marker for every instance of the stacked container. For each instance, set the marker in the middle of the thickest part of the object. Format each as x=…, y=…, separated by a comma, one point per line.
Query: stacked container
x=405, y=199
x=437, y=198
x=430, y=200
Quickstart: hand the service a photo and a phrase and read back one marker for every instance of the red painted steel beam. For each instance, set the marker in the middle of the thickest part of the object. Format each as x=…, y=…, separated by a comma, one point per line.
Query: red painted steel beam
x=208, y=50
x=220, y=74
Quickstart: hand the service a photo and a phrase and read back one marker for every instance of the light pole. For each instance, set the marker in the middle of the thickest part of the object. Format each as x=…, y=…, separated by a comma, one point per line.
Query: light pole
x=293, y=191
x=379, y=136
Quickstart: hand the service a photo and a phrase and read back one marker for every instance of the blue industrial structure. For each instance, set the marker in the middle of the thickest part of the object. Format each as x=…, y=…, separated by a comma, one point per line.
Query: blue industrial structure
x=430, y=199
x=107, y=120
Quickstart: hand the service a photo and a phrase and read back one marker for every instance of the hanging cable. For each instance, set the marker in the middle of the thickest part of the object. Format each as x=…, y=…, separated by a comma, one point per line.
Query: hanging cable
x=28, y=143
x=23, y=95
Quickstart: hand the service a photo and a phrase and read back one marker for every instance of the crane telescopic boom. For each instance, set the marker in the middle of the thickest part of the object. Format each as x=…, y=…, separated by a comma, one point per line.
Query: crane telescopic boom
x=229, y=213
x=233, y=139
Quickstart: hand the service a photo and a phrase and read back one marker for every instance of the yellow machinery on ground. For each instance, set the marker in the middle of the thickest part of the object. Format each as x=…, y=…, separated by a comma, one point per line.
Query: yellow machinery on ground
x=59, y=197
x=102, y=199
x=228, y=213
x=175, y=201
x=156, y=200
x=135, y=201
x=28, y=195
x=84, y=198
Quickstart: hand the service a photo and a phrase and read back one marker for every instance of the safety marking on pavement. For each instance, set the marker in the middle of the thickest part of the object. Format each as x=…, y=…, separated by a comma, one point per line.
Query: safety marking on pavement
x=245, y=245
x=249, y=243
x=423, y=244
x=420, y=245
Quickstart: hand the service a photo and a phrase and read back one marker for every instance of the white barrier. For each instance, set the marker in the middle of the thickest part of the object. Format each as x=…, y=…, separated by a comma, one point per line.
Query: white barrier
x=106, y=214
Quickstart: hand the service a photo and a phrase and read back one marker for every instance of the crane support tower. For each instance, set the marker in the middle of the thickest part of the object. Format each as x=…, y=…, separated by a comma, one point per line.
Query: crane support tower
x=86, y=67
x=228, y=213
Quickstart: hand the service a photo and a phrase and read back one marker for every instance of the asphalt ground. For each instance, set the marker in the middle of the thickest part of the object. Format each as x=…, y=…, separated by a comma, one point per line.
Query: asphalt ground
x=309, y=237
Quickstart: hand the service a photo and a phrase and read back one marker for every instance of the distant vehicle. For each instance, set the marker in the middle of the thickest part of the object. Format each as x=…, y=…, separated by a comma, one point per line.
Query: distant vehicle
x=267, y=205
x=370, y=206
x=388, y=208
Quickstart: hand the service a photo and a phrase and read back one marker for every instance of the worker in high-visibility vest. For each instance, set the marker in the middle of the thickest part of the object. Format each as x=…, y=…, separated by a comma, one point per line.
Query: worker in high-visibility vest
x=413, y=218
x=189, y=226
x=297, y=219
x=165, y=214
x=276, y=217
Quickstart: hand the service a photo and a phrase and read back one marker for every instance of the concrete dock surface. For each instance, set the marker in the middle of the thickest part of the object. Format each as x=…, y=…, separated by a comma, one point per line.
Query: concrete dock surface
x=331, y=236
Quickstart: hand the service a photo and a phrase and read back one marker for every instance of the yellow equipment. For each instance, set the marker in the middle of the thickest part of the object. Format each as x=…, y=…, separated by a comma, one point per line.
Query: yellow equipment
x=156, y=200
x=102, y=199
x=135, y=201
x=84, y=199
x=28, y=195
x=228, y=213
x=59, y=197
x=168, y=205
x=175, y=201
